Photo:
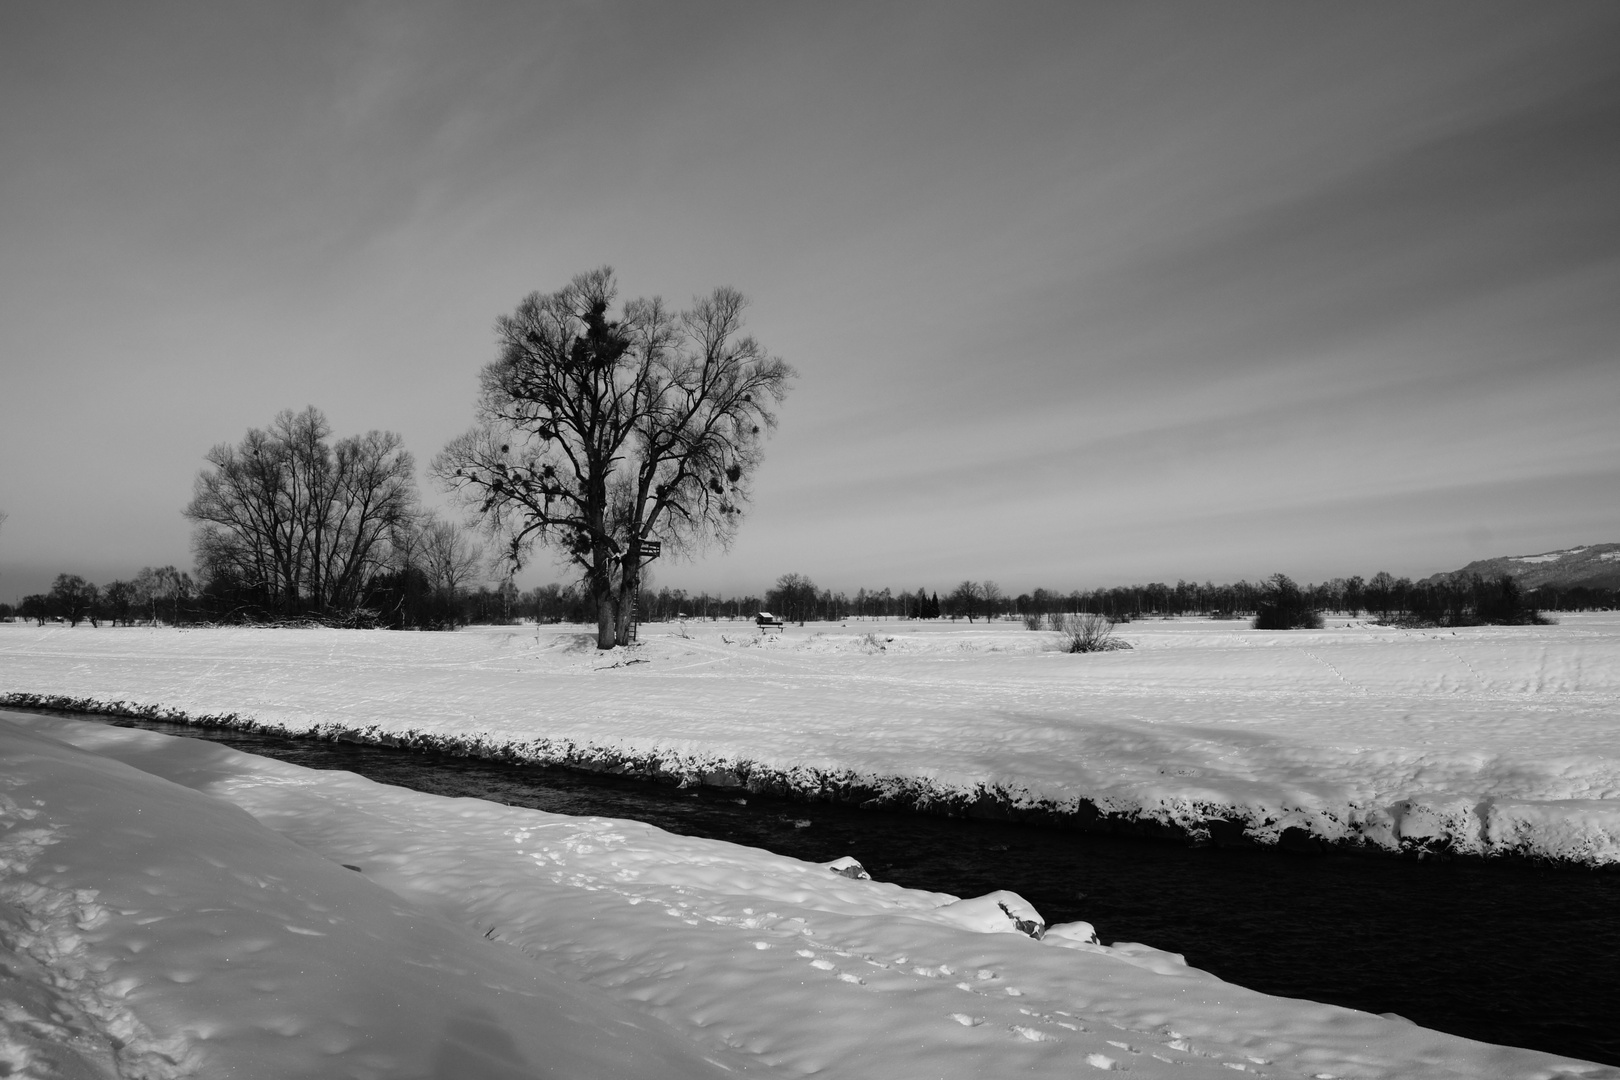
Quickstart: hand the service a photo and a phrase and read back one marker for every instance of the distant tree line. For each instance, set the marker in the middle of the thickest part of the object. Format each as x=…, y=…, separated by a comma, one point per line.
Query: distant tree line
x=429, y=585
x=1574, y=598
x=169, y=597
x=1448, y=601
x=163, y=594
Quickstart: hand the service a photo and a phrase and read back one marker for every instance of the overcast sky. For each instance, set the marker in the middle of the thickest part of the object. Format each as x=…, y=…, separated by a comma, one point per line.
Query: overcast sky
x=1079, y=294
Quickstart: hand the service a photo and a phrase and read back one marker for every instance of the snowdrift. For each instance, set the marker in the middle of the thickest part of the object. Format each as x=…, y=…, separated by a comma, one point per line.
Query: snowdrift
x=152, y=931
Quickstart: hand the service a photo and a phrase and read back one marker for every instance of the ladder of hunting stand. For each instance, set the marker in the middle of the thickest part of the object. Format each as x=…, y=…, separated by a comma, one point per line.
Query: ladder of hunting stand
x=650, y=550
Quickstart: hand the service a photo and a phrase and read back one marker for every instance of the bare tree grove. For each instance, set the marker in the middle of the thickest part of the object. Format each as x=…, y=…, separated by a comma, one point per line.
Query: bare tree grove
x=296, y=524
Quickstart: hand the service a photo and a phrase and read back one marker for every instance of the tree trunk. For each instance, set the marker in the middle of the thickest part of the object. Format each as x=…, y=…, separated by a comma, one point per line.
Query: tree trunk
x=606, y=630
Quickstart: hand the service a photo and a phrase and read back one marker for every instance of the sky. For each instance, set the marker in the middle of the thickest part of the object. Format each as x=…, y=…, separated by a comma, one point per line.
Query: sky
x=1079, y=294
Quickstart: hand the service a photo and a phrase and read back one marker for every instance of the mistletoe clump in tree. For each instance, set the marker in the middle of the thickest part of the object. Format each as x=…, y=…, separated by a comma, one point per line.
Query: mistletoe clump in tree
x=595, y=436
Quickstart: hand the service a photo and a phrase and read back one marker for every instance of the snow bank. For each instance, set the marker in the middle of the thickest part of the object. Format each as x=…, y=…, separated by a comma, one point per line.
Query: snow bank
x=1486, y=740
x=155, y=932
x=348, y=928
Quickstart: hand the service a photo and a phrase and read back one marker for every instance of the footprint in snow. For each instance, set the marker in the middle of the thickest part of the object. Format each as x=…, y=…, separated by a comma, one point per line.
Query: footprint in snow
x=967, y=1021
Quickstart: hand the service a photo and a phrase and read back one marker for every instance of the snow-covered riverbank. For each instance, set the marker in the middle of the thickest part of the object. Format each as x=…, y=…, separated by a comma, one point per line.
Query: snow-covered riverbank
x=1484, y=740
x=345, y=928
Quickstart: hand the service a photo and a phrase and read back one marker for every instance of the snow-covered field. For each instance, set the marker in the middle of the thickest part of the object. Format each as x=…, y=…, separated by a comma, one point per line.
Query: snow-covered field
x=1487, y=740
x=151, y=928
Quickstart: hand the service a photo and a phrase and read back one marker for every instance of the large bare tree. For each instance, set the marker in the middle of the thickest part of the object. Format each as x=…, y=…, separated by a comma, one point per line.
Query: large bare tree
x=965, y=599
x=296, y=520
x=73, y=598
x=595, y=436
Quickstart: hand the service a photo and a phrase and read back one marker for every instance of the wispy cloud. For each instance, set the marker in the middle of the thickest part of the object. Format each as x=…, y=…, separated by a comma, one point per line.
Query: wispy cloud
x=1076, y=290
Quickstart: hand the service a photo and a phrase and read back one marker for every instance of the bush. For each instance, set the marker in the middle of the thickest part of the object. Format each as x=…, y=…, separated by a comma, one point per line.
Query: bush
x=1032, y=620
x=1286, y=607
x=1087, y=632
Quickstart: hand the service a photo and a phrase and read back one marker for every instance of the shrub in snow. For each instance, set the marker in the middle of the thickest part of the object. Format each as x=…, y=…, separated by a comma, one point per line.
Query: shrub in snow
x=1286, y=607
x=1087, y=632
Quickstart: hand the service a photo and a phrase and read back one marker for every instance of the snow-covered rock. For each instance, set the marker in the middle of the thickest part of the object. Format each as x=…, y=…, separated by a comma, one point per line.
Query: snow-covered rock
x=849, y=867
x=1083, y=932
x=999, y=912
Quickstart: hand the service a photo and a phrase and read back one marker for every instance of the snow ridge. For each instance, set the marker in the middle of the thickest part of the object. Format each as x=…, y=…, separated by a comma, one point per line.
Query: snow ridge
x=1408, y=827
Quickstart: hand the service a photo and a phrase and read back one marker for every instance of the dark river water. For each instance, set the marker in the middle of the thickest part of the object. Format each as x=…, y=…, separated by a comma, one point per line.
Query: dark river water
x=1506, y=953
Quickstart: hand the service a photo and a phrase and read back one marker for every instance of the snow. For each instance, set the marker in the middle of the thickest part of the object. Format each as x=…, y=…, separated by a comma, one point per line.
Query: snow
x=1488, y=740
x=171, y=907
x=1551, y=556
x=158, y=932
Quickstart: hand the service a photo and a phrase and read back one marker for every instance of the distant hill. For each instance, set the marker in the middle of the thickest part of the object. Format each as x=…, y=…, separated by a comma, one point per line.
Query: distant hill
x=1596, y=566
